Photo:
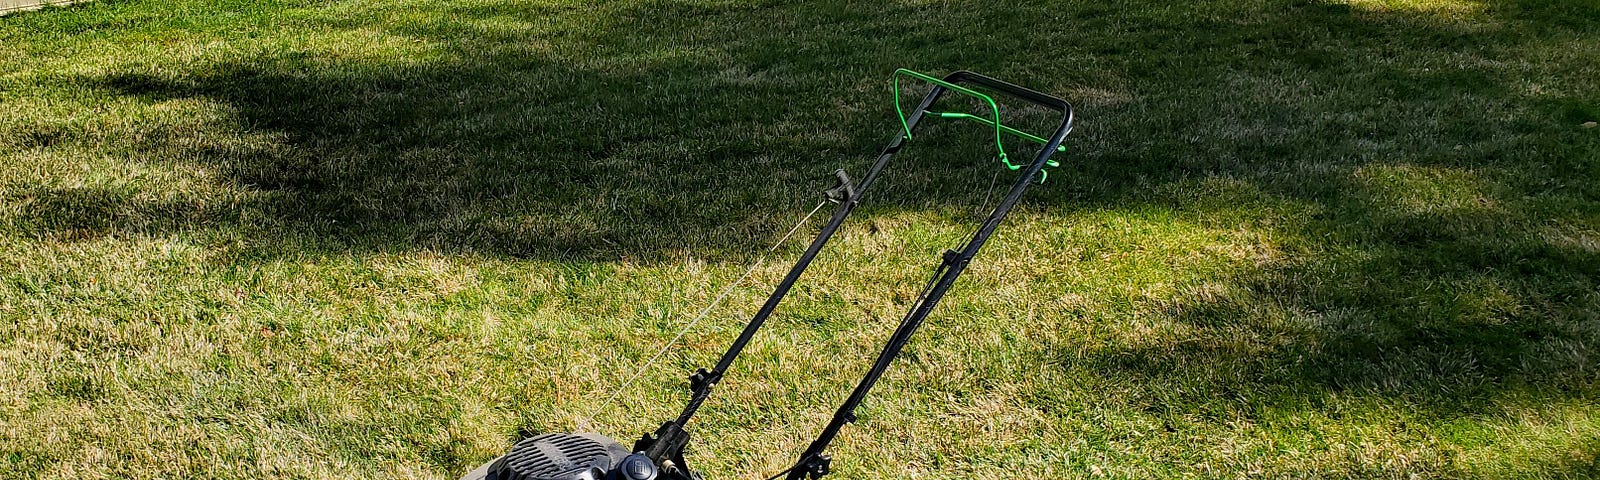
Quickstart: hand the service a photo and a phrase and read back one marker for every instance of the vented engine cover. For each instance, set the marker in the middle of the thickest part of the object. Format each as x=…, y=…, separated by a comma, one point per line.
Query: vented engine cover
x=559, y=456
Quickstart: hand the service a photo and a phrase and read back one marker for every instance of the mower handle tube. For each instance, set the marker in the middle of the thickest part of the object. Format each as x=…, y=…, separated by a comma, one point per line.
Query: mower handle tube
x=1010, y=89
x=814, y=462
x=669, y=440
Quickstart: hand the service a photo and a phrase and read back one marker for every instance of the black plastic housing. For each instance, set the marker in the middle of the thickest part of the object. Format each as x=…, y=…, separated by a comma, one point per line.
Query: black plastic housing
x=556, y=456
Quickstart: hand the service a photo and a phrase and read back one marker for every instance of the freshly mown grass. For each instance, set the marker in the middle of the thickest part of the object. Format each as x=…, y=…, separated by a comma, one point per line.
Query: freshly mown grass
x=324, y=239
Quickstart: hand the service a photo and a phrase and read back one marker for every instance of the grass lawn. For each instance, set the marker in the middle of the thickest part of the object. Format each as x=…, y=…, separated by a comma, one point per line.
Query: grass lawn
x=353, y=238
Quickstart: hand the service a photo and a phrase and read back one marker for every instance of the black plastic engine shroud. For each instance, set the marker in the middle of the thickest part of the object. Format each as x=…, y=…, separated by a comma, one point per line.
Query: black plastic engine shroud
x=558, y=456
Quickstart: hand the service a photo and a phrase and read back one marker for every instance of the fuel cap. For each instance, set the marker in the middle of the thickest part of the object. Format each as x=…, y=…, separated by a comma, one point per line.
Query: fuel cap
x=637, y=467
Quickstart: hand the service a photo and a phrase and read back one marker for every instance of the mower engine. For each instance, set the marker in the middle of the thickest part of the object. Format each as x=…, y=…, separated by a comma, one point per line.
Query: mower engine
x=567, y=456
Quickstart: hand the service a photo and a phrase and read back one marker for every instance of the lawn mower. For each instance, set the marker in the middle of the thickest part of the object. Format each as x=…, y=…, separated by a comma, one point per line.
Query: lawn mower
x=660, y=455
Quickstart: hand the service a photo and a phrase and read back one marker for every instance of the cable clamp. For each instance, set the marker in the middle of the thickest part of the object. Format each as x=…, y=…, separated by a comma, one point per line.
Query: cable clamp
x=817, y=466
x=703, y=380
x=843, y=189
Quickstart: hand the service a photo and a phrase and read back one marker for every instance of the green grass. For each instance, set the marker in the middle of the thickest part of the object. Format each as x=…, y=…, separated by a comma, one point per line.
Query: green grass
x=317, y=239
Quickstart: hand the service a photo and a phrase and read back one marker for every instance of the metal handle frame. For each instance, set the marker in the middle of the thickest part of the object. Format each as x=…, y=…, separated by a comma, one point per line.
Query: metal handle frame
x=814, y=462
x=665, y=446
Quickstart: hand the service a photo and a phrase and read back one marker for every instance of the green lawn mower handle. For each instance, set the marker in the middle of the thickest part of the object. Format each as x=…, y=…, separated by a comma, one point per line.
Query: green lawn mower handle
x=953, y=81
x=814, y=463
x=660, y=455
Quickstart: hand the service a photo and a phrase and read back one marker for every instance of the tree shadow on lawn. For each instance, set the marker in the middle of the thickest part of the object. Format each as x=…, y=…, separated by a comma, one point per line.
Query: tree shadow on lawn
x=667, y=135
x=1448, y=324
x=492, y=147
x=688, y=128
x=506, y=143
x=1449, y=263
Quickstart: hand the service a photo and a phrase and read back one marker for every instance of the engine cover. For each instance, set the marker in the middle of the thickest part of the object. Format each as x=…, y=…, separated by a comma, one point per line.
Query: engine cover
x=558, y=456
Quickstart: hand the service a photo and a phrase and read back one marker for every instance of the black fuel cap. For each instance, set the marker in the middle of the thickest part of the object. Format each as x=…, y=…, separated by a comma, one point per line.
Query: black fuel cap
x=637, y=467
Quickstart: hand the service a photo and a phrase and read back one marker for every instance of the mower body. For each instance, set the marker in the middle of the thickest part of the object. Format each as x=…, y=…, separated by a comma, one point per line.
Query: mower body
x=566, y=456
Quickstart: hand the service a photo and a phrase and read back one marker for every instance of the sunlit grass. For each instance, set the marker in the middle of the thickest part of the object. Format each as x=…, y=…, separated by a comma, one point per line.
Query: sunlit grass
x=1455, y=9
x=309, y=239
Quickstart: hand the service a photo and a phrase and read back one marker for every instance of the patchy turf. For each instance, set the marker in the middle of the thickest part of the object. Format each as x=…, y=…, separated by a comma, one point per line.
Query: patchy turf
x=1292, y=238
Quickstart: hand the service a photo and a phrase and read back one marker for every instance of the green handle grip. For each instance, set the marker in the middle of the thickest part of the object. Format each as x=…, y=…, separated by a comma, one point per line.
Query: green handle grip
x=994, y=110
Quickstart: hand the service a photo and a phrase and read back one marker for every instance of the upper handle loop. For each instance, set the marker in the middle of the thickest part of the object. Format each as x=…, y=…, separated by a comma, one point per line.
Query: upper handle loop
x=950, y=82
x=1014, y=90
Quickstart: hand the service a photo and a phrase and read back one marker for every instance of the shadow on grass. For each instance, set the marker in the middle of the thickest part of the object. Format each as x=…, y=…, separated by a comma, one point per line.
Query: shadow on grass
x=657, y=130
